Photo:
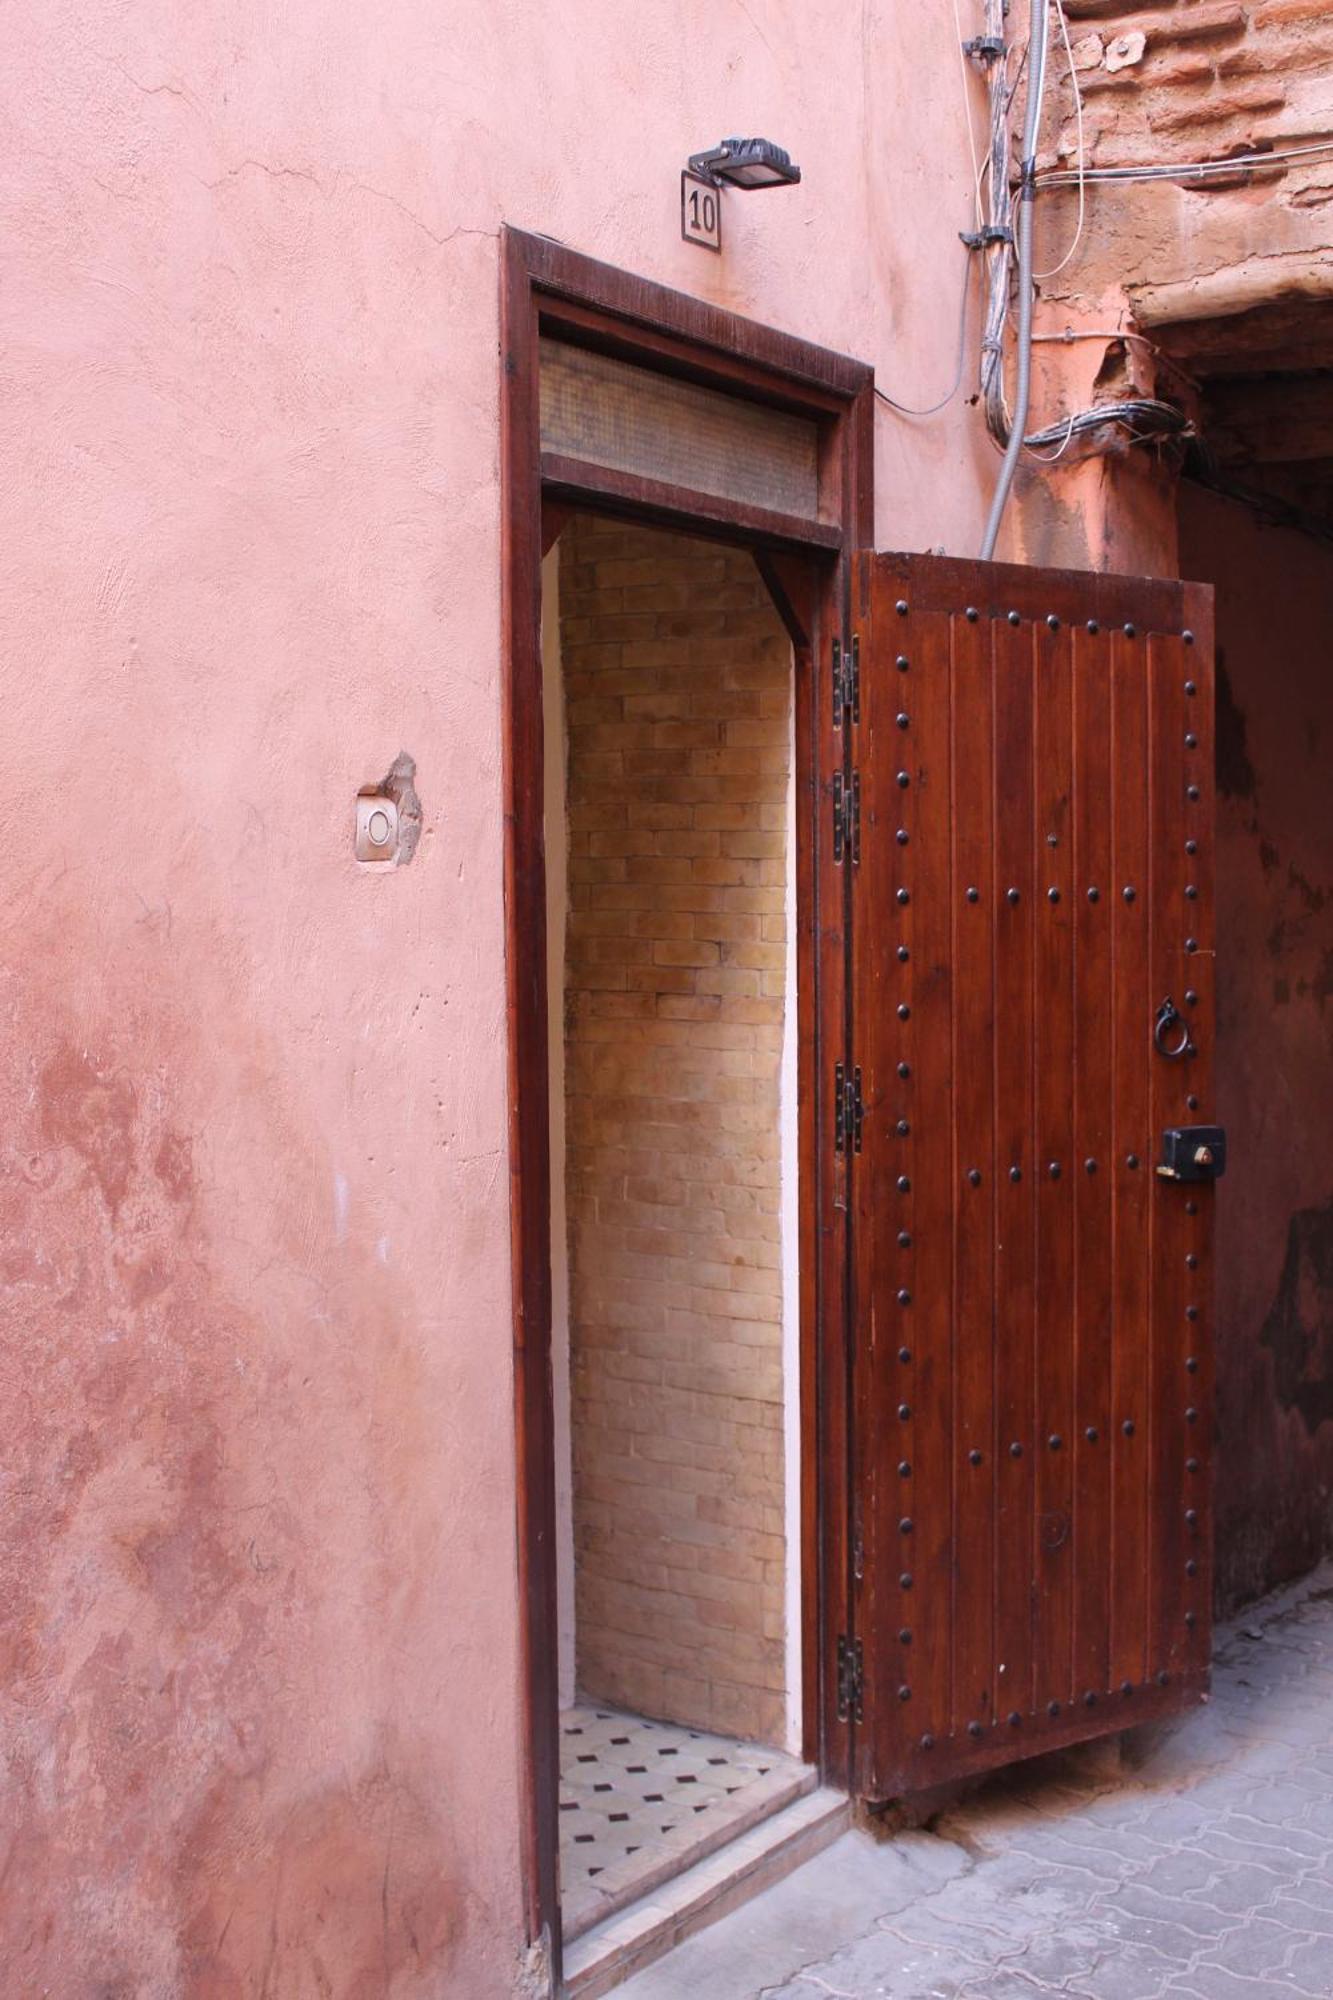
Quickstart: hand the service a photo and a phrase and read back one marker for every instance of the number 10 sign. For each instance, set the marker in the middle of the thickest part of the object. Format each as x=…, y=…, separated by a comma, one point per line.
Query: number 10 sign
x=700, y=211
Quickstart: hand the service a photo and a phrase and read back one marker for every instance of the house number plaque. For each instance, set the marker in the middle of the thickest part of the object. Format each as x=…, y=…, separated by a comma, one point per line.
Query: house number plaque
x=700, y=211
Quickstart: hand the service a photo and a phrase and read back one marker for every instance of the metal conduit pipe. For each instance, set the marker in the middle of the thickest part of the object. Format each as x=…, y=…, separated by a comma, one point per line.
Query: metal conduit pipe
x=1038, y=35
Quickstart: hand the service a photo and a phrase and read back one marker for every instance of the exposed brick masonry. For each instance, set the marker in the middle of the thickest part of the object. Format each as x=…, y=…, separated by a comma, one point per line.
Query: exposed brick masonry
x=677, y=677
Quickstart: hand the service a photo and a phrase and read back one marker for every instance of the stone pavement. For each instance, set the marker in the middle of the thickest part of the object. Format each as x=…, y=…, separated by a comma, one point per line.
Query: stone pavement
x=1192, y=1861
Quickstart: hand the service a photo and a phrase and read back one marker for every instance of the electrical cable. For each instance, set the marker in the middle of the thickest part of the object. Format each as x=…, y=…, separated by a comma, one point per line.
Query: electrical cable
x=1185, y=169
x=1037, y=43
x=905, y=409
x=1078, y=115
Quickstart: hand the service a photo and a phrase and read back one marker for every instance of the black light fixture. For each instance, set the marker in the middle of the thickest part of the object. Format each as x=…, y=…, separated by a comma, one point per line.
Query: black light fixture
x=745, y=163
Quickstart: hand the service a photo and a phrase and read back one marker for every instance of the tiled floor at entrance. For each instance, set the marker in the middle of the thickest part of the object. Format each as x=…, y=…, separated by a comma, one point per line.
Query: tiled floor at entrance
x=640, y=1801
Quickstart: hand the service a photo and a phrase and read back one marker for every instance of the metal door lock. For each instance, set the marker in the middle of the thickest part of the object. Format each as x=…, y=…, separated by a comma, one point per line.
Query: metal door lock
x=1193, y=1153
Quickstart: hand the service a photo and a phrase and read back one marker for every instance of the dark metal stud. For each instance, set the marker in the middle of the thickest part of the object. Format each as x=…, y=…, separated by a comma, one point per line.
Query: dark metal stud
x=1191, y=1208
x=902, y=836
x=1089, y=1166
x=1187, y=636
x=902, y=1128
x=1015, y=1173
x=971, y=614
x=974, y=895
x=904, y=1298
x=904, y=1070
x=1052, y=895
x=1014, y=618
x=1191, y=1517
x=905, y=1412
x=1191, y=1619
x=901, y=607
x=1127, y=1687
x=905, y=1636
x=1191, y=847
x=1052, y=840
x=904, y=895
x=903, y=781
x=974, y=1176
x=1192, y=793
x=904, y=1011
x=1090, y=1699
x=1055, y=1441
x=1094, y=895
x=905, y=1526
x=1052, y=1708
x=1191, y=1364
x=904, y=1694
x=904, y=1468
x=1191, y=1465
x=1191, y=740
x=905, y=1580
x=1132, y=1161
x=1163, y=1679
x=903, y=719
x=1054, y=1170
x=927, y=1742
x=1130, y=632
x=1015, y=1451
x=904, y=954
x=1191, y=1416
x=904, y=1355
x=1012, y=895
x=904, y=1240
x=1127, y=1428
x=1091, y=1434
x=1191, y=997
x=974, y=1456
x=904, y=1185
x=1191, y=1567
x=1191, y=1102
x=1191, y=1312
x=1093, y=626
x=974, y=1729
x=1191, y=1264
x=1191, y=893
x=1129, y=893
x=1053, y=621
x=1191, y=945
x=1014, y=1718
x=903, y=663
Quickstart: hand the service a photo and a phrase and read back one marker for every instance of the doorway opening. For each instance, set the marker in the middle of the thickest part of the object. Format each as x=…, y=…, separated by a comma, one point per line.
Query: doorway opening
x=671, y=981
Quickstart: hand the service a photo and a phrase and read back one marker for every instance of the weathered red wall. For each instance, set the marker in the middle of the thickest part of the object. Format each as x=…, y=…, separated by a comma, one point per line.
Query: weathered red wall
x=1275, y=1039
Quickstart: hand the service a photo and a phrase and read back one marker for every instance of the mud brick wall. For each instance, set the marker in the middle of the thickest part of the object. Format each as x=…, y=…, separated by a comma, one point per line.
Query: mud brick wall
x=678, y=691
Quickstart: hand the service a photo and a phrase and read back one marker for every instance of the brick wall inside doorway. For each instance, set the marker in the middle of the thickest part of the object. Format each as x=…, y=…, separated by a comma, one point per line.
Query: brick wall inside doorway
x=678, y=700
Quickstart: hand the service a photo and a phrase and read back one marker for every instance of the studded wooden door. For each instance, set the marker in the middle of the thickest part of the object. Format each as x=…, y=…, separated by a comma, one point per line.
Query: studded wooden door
x=1033, y=879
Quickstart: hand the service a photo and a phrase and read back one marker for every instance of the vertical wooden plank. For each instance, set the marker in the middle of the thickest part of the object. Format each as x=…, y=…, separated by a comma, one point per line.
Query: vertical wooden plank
x=1174, y=815
x=1095, y=1169
x=1053, y=1059
x=924, y=1101
x=1016, y=1171
x=1134, y=1147
x=1197, y=670
x=902, y=999
x=972, y=905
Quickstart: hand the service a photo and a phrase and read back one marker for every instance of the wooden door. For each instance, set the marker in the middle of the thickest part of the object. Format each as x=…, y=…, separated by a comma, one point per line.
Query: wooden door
x=1033, y=879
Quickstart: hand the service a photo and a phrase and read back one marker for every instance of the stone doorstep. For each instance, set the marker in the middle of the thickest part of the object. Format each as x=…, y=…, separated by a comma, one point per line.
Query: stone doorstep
x=634, y=1884
x=750, y=1863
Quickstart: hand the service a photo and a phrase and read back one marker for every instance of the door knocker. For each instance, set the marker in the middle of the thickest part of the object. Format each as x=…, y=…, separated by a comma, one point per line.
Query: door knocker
x=1171, y=1032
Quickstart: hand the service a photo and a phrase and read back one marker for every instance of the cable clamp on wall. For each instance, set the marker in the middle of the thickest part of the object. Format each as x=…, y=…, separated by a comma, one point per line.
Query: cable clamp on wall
x=984, y=48
x=980, y=239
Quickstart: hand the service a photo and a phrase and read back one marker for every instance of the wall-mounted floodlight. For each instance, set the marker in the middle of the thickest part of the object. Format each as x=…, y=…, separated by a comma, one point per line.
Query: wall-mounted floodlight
x=745, y=163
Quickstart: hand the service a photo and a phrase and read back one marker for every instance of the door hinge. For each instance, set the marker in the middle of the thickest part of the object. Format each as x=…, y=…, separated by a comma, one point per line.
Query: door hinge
x=846, y=679
x=851, y=1680
x=847, y=816
x=847, y=1108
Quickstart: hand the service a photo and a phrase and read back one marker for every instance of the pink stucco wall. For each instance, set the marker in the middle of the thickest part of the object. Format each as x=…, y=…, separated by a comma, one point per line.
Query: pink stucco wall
x=261, y=1710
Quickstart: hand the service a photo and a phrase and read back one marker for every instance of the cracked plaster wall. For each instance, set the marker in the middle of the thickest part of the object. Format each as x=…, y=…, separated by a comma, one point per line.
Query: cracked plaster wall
x=261, y=1711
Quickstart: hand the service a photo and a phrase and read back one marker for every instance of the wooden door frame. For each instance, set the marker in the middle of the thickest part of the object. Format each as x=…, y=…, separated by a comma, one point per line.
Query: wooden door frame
x=806, y=565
